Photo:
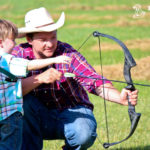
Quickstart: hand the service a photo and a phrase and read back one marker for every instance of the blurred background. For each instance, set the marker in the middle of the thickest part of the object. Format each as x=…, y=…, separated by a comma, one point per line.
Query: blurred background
x=126, y=20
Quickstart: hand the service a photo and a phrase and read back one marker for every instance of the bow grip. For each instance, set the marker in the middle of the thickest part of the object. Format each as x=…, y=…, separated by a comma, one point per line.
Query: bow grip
x=131, y=88
x=131, y=108
x=134, y=117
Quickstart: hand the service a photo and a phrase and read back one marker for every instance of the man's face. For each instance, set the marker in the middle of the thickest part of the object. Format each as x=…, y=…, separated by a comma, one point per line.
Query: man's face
x=44, y=44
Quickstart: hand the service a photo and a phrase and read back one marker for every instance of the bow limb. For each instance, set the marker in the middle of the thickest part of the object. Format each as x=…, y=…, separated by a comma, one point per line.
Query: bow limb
x=128, y=64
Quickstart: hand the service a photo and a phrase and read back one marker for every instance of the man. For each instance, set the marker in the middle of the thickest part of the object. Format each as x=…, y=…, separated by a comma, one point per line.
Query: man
x=60, y=110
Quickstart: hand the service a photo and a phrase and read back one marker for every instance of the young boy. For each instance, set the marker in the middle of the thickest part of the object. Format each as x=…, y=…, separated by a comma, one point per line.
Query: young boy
x=11, y=91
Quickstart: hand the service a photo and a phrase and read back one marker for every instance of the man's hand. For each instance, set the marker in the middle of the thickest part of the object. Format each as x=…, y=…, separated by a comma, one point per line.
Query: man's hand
x=49, y=76
x=133, y=96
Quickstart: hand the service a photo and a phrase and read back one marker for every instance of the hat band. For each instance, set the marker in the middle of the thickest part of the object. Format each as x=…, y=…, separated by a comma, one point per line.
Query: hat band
x=44, y=25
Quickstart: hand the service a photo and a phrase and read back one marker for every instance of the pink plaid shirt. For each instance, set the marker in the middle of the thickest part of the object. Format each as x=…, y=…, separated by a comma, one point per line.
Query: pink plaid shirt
x=68, y=92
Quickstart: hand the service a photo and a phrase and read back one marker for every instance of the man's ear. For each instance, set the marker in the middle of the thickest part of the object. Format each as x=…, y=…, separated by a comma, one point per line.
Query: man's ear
x=29, y=39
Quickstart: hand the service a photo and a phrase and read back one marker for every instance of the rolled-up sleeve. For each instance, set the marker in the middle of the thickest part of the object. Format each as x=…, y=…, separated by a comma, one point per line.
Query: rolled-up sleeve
x=18, y=66
x=88, y=77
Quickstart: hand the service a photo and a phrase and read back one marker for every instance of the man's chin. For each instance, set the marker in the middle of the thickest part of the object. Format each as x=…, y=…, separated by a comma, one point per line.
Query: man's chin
x=47, y=55
x=43, y=55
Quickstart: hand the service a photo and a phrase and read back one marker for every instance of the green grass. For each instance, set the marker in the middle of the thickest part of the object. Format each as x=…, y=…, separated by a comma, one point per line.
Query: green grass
x=82, y=18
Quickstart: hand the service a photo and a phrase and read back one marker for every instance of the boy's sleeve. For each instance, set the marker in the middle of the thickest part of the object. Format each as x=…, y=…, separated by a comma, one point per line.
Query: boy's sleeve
x=18, y=67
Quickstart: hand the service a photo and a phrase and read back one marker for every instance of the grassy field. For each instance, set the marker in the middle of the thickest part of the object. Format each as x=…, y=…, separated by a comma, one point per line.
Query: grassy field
x=113, y=17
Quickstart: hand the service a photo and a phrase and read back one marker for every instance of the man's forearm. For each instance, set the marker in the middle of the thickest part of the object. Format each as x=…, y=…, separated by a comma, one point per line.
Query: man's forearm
x=30, y=83
x=48, y=76
x=109, y=93
x=112, y=94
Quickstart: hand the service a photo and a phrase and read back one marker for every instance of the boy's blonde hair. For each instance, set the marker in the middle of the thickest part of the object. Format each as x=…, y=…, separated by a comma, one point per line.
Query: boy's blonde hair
x=7, y=29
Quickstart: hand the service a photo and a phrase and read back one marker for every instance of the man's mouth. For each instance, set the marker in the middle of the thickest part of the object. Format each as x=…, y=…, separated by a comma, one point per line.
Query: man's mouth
x=49, y=50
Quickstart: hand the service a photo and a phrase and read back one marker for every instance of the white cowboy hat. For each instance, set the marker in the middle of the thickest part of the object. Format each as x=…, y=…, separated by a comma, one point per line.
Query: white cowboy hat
x=40, y=20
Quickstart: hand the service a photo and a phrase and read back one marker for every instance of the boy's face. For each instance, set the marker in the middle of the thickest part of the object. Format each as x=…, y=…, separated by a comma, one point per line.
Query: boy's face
x=8, y=44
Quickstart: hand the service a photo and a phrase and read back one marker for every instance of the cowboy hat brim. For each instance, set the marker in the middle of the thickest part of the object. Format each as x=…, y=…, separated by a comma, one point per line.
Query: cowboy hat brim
x=48, y=28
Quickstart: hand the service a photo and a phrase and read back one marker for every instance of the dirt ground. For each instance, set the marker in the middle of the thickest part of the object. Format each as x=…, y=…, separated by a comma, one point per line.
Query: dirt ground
x=139, y=72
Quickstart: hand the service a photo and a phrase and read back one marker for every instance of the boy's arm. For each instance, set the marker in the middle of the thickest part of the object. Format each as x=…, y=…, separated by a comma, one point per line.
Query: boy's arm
x=48, y=76
x=41, y=63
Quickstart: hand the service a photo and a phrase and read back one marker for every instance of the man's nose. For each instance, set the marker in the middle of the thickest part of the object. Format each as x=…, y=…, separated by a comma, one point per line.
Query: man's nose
x=49, y=43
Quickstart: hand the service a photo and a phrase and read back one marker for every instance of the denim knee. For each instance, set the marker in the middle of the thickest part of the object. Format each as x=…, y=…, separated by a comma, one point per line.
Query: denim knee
x=82, y=138
x=87, y=139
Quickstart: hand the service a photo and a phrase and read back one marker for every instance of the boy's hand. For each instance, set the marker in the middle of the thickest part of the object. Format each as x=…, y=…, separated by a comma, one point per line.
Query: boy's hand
x=62, y=59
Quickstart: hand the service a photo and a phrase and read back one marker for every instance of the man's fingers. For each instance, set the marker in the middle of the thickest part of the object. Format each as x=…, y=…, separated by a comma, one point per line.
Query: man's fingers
x=50, y=76
x=132, y=95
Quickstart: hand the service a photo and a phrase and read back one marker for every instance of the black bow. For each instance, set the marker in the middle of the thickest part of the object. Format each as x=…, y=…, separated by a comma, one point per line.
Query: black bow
x=128, y=64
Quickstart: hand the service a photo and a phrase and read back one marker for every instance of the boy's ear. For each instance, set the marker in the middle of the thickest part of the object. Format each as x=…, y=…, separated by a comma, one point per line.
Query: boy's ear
x=1, y=45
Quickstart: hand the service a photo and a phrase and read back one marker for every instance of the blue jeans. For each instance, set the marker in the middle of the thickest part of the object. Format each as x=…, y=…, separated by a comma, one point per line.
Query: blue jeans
x=11, y=132
x=77, y=126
